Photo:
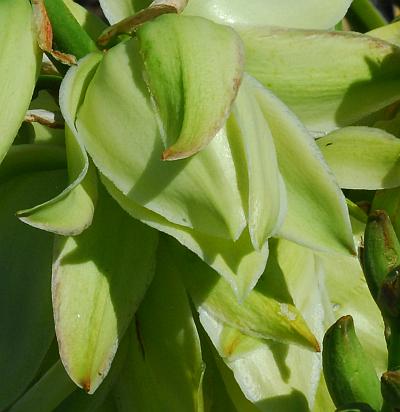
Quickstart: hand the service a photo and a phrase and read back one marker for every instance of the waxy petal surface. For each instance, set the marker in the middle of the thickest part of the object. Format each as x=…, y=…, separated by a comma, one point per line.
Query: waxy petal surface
x=99, y=280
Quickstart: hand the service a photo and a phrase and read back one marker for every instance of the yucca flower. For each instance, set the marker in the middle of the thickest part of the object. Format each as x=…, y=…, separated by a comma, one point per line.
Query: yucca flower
x=186, y=134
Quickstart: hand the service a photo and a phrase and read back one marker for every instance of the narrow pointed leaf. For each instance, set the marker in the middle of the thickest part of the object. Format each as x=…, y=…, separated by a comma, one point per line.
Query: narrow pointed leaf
x=248, y=125
x=165, y=349
x=193, y=69
x=317, y=215
x=18, y=80
x=362, y=157
x=93, y=24
x=259, y=315
x=72, y=210
x=336, y=94
x=306, y=14
x=238, y=262
x=124, y=142
x=99, y=279
x=29, y=158
x=25, y=271
x=39, y=398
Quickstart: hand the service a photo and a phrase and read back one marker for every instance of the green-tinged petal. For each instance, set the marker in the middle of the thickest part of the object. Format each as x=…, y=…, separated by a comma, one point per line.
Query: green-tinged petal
x=99, y=279
x=362, y=157
x=118, y=126
x=29, y=158
x=238, y=262
x=193, y=69
x=53, y=387
x=91, y=23
x=26, y=316
x=164, y=367
x=275, y=376
x=348, y=294
x=266, y=192
x=391, y=126
x=266, y=312
x=72, y=210
x=79, y=401
x=116, y=10
x=18, y=45
x=328, y=79
x=307, y=14
x=389, y=33
x=317, y=215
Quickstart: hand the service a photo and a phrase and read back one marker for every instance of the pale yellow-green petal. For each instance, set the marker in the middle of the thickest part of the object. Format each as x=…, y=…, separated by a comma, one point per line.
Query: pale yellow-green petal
x=193, y=69
x=19, y=65
x=307, y=14
x=362, y=157
x=328, y=79
x=316, y=215
x=118, y=126
x=99, y=280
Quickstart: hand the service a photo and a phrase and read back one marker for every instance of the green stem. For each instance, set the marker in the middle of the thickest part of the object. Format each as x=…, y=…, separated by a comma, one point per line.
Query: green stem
x=68, y=35
x=364, y=16
x=394, y=346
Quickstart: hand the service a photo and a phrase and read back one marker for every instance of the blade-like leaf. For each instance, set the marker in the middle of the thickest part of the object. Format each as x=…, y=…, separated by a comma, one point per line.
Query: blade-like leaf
x=317, y=215
x=39, y=398
x=237, y=262
x=267, y=195
x=362, y=157
x=72, y=210
x=99, y=279
x=124, y=141
x=18, y=80
x=25, y=271
x=328, y=79
x=263, y=314
x=307, y=14
x=165, y=349
x=193, y=69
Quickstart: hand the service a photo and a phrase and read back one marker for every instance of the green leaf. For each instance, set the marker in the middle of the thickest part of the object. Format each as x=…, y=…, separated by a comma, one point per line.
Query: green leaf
x=306, y=14
x=90, y=22
x=53, y=387
x=18, y=80
x=99, y=279
x=264, y=314
x=124, y=142
x=26, y=316
x=29, y=158
x=71, y=212
x=317, y=215
x=165, y=349
x=329, y=79
x=267, y=194
x=193, y=70
x=237, y=262
x=362, y=157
